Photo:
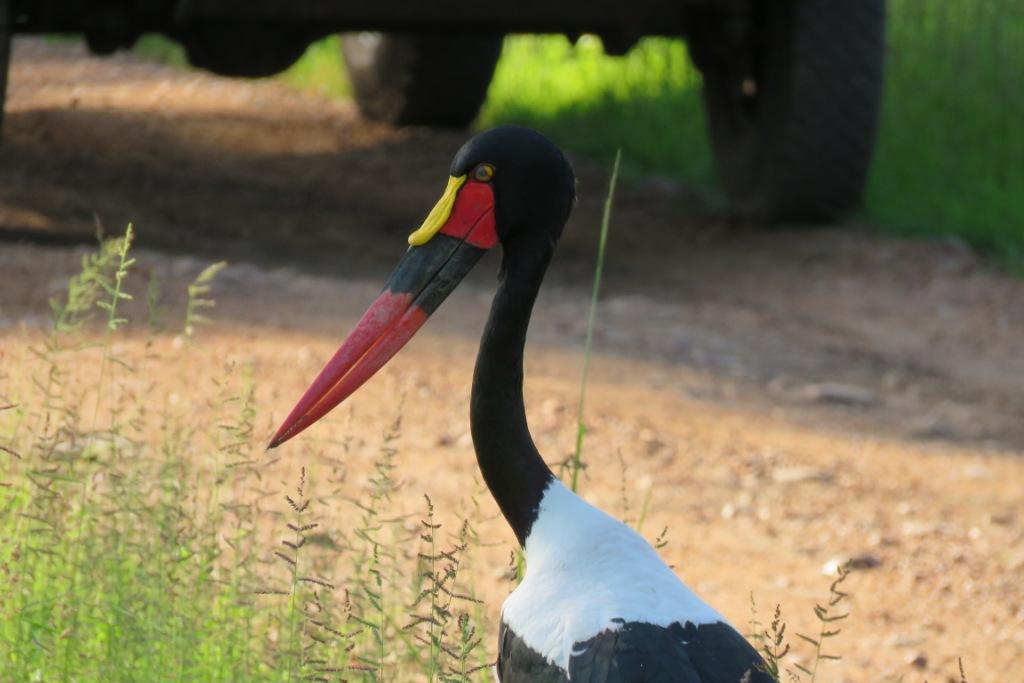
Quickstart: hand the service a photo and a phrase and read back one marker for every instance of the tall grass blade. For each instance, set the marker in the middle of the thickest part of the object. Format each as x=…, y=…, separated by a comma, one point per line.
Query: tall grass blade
x=581, y=429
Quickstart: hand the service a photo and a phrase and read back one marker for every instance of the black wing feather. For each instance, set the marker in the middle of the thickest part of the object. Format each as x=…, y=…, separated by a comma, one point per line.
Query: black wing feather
x=518, y=663
x=645, y=653
x=640, y=653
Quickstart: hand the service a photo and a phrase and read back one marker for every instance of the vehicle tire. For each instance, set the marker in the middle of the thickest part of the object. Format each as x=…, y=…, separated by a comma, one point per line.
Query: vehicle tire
x=423, y=80
x=243, y=50
x=793, y=113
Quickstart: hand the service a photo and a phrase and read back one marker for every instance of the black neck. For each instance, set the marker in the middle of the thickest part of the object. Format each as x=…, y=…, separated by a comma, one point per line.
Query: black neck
x=513, y=469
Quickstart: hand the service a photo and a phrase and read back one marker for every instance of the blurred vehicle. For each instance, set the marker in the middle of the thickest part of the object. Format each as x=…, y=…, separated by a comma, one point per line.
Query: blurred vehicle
x=791, y=87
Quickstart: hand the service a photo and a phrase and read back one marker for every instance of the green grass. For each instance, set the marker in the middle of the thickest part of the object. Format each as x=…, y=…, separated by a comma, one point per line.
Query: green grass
x=576, y=463
x=951, y=155
x=141, y=541
x=646, y=103
x=321, y=70
x=160, y=49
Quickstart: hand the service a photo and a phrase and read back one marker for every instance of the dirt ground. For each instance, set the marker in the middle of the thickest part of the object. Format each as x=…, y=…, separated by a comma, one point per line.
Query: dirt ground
x=790, y=398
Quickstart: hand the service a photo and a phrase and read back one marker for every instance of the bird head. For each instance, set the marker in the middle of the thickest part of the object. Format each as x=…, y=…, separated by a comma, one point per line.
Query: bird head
x=508, y=185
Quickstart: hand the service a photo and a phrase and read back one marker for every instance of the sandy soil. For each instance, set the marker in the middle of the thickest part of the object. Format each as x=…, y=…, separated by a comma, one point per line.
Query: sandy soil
x=790, y=398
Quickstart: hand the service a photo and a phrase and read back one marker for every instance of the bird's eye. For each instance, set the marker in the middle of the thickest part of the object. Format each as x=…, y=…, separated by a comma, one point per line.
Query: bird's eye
x=484, y=173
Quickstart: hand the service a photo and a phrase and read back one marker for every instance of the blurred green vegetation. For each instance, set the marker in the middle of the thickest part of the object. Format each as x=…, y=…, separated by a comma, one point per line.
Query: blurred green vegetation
x=648, y=102
x=156, y=47
x=140, y=542
x=321, y=69
x=950, y=158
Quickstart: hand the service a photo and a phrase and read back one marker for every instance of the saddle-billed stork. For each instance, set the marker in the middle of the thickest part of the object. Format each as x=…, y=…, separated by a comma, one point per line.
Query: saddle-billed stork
x=597, y=604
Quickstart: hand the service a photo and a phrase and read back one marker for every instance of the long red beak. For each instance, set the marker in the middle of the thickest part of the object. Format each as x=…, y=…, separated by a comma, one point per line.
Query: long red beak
x=424, y=278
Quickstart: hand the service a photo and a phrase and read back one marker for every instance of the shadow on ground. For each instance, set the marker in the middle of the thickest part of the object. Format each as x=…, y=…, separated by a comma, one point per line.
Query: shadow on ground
x=250, y=171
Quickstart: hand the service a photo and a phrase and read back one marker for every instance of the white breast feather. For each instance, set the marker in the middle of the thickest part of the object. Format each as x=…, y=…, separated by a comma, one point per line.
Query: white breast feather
x=585, y=568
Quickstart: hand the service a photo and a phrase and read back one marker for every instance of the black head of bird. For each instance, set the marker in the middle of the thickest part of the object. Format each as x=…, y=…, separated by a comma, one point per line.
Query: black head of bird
x=509, y=185
x=532, y=182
